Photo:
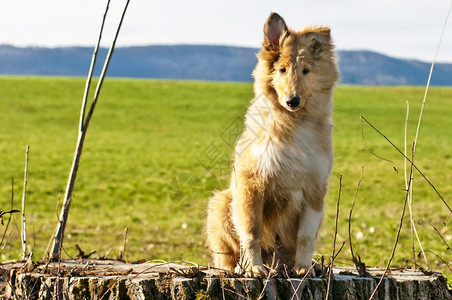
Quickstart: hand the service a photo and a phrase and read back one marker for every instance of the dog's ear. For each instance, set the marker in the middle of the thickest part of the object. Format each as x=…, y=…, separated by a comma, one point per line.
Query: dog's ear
x=274, y=28
x=320, y=41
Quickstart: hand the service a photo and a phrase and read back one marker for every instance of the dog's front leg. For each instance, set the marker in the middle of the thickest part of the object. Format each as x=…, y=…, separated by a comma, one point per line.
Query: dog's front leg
x=247, y=214
x=309, y=225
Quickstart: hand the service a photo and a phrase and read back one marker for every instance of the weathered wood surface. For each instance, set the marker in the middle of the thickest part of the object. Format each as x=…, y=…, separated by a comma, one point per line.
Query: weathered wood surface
x=97, y=279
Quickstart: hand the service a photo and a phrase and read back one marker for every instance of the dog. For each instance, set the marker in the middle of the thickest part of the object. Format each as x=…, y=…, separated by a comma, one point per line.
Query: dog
x=274, y=205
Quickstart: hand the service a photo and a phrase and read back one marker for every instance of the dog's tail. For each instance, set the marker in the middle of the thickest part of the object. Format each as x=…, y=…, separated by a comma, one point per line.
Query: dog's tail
x=221, y=237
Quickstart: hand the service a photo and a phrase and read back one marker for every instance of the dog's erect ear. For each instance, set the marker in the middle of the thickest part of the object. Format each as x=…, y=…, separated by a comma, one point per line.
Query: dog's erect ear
x=320, y=40
x=273, y=30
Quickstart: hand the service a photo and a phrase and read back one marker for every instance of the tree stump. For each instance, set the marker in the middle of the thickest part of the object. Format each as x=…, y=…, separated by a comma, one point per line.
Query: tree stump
x=102, y=279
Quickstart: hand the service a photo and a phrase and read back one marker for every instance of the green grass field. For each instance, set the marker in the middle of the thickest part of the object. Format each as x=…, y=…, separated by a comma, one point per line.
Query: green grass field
x=156, y=150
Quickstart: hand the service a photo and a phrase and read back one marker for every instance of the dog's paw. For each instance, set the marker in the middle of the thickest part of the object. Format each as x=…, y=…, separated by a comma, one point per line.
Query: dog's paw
x=253, y=271
x=257, y=272
x=307, y=271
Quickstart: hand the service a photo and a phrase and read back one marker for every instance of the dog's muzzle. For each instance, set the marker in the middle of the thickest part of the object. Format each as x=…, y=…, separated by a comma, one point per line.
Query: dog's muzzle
x=293, y=102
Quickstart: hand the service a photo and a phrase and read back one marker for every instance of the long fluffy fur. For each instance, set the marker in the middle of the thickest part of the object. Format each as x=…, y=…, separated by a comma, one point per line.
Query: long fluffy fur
x=274, y=204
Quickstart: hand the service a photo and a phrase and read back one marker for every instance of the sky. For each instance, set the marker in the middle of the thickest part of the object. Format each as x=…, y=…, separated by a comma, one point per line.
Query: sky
x=400, y=28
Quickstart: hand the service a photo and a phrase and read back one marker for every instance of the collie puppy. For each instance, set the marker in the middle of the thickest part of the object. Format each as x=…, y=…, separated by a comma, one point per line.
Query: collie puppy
x=274, y=205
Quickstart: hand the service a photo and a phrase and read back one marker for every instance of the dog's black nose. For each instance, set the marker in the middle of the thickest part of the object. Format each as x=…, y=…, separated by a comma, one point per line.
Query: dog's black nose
x=293, y=102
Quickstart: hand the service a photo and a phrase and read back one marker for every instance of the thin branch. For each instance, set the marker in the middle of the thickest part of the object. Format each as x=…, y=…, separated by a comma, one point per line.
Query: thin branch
x=269, y=274
x=58, y=238
x=350, y=217
x=57, y=245
x=9, y=220
x=24, y=227
x=124, y=244
x=104, y=70
x=447, y=264
x=81, y=254
x=339, y=251
x=442, y=238
x=330, y=271
x=398, y=230
x=410, y=161
x=430, y=76
x=91, y=70
x=367, y=147
x=295, y=293
x=2, y=213
x=405, y=175
x=413, y=229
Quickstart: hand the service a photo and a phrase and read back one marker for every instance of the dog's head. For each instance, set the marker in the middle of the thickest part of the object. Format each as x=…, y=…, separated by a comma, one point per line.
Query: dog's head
x=295, y=65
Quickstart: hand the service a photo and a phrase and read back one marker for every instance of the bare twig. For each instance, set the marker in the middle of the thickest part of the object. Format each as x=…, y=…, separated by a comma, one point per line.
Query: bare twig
x=295, y=293
x=59, y=233
x=409, y=160
x=84, y=123
x=330, y=271
x=11, y=211
x=91, y=70
x=340, y=249
x=442, y=238
x=350, y=218
x=413, y=229
x=447, y=264
x=361, y=267
x=272, y=267
x=422, y=111
x=430, y=77
x=81, y=254
x=124, y=244
x=24, y=224
x=367, y=147
x=398, y=230
x=46, y=256
x=405, y=175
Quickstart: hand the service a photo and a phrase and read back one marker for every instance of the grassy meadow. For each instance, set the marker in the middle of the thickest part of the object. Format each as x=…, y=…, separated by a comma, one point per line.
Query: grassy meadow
x=156, y=150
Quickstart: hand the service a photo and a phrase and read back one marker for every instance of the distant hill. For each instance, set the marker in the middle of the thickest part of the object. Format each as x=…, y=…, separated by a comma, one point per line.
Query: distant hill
x=202, y=62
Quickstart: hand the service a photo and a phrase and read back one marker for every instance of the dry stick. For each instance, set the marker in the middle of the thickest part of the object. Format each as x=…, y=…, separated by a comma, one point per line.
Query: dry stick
x=330, y=271
x=59, y=232
x=413, y=229
x=409, y=160
x=56, y=249
x=447, y=264
x=262, y=293
x=272, y=267
x=398, y=230
x=6, y=278
x=9, y=220
x=340, y=249
x=405, y=175
x=442, y=238
x=124, y=243
x=350, y=219
x=91, y=71
x=430, y=77
x=24, y=227
x=295, y=293
x=46, y=256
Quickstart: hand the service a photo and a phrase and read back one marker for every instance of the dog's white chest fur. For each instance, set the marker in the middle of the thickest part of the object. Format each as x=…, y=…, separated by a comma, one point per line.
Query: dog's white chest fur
x=294, y=160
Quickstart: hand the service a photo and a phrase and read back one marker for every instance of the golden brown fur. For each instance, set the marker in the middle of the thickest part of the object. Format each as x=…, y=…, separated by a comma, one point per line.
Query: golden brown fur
x=274, y=204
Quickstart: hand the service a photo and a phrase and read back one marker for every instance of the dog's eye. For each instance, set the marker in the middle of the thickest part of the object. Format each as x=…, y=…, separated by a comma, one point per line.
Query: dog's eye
x=282, y=70
x=305, y=71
